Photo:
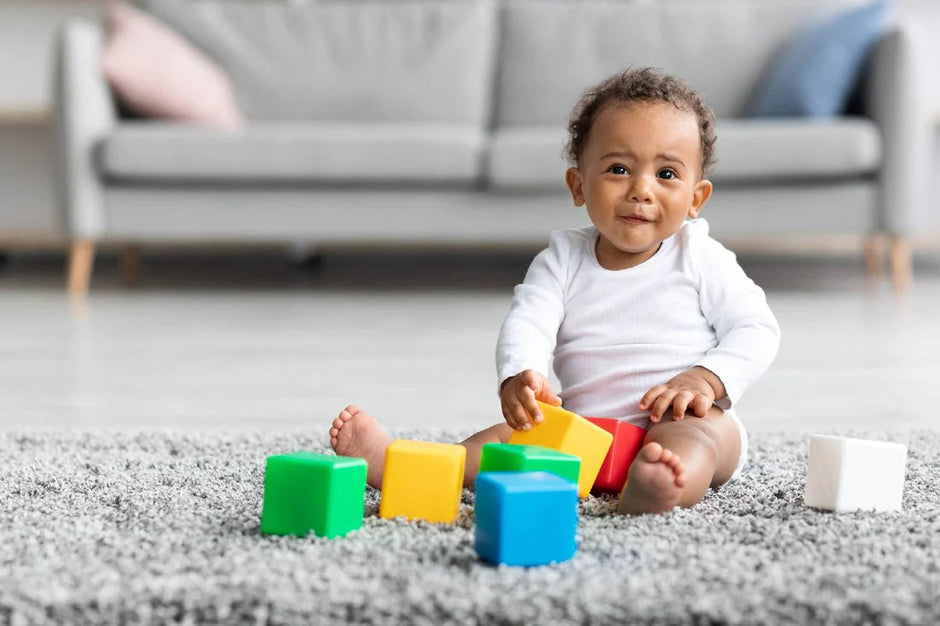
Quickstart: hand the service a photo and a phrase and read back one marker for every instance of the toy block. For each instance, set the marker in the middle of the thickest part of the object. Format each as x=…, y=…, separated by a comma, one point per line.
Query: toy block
x=628, y=439
x=846, y=474
x=511, y=457
x=306, y=491
x=572, y=434
x=525, y=518
x=422, y=480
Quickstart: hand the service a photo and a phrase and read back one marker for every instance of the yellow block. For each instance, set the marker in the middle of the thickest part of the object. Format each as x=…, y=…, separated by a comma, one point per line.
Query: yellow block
x=422, y=480
x=570, y=433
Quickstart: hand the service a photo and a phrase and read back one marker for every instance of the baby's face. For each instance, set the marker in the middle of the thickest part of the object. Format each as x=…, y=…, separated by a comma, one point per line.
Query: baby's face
x=640, y=177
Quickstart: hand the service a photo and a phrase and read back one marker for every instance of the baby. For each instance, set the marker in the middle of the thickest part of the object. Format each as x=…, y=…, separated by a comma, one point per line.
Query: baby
x=647, y=318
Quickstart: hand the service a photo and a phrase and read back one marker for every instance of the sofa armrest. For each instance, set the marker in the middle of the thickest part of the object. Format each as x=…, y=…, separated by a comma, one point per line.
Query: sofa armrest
x=84, y=112
x=896, y=98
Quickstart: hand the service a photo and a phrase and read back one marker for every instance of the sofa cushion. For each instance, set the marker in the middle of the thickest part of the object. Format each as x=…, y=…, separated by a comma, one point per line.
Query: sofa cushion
x=527, y=157
x=815, y=73
x=747, y=150
x=782, y=149
x=157, y=73
x=553, y=49
x=294, y=153
x=400, y=60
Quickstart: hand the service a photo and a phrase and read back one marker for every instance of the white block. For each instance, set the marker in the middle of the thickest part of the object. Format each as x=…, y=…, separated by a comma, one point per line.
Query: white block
x=847, y=474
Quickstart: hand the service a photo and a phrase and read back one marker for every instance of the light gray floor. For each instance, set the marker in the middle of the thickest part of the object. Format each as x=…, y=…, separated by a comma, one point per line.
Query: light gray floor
x=248, y=341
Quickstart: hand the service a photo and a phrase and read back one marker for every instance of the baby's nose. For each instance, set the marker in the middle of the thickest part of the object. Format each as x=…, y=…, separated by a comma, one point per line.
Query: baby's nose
x=640, y=190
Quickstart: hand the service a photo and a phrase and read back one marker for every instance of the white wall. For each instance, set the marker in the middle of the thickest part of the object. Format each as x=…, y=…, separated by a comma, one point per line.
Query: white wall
x=26, y=29
x=26, y=32
x=923, y=17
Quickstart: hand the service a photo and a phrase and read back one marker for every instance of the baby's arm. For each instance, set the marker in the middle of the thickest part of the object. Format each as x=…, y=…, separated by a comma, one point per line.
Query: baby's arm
x=747, y=331
x=747, y=336
x=527, y=336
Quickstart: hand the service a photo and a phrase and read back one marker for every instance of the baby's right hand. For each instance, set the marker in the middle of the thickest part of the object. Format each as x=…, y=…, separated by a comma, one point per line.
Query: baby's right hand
x=518, y=397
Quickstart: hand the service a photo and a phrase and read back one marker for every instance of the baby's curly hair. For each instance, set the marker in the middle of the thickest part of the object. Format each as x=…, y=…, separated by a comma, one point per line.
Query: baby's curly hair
x=646, y=84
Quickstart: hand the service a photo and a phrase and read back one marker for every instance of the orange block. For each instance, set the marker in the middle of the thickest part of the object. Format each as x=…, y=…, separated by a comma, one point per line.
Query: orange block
x=572, y=434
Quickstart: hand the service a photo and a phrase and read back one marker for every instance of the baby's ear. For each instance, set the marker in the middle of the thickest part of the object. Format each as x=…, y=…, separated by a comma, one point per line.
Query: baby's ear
x=575, y=185
x=700, y=195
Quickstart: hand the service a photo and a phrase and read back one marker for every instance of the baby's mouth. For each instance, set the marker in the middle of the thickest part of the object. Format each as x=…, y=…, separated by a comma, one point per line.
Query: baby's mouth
x=634, y=219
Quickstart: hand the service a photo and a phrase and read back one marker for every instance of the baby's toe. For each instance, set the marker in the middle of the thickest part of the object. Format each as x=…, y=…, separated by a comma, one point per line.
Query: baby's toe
x=651, y=452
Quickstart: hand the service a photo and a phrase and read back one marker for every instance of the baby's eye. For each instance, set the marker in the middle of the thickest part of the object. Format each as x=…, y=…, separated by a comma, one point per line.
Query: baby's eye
x=668, y=173
x=617, y=169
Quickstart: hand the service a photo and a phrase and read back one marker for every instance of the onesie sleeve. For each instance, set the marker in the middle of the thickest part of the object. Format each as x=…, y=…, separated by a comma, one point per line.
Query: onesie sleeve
x=747, y=331
x=528, y=334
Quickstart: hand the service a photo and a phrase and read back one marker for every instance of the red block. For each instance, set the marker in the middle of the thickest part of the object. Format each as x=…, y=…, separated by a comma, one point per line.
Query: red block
x=628, y=439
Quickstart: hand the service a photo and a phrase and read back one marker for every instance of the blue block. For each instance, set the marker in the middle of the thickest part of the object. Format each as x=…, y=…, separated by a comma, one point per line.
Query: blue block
x=525, y=518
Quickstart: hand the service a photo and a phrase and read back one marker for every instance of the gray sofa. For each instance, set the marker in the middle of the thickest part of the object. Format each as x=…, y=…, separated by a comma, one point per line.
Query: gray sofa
x=444, y=122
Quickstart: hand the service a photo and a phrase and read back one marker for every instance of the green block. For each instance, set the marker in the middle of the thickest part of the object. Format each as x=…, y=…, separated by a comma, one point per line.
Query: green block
x=511, y=457
x=306, y=491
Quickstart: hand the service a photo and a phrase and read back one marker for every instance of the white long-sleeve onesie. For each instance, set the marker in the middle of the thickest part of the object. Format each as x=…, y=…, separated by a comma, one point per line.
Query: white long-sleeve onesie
x=616, y=334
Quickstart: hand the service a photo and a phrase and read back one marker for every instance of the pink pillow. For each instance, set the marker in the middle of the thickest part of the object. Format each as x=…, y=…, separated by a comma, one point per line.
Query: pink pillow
x=157, y=73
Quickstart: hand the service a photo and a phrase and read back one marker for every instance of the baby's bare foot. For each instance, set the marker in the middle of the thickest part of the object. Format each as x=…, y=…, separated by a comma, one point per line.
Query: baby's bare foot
x=356, y=433
x=654, y=483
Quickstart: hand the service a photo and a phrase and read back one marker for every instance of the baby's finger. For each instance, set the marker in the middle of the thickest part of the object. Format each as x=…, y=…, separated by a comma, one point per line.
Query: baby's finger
x=509, y=407
x=532, y=407
x=681, y=403
x=661, y=404
x=526, y=398
x=700, y=405
x=528, y=406
x=650, y=396
x=548, y=396
x=507, y=416
x=520, y=419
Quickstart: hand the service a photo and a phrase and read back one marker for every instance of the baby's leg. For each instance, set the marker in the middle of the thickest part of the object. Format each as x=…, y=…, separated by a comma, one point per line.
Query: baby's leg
x=679, y=461
x=498, y=433
x=356, y=433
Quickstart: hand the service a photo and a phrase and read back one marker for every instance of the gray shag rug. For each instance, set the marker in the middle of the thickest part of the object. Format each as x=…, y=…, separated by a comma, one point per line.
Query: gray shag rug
x=159, y=527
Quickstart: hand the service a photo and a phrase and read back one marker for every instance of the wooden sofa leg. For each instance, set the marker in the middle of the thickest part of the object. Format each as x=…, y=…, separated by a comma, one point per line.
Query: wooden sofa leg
x=81, y=263
x=902, y=264
x=130, y=264
x=875, y=256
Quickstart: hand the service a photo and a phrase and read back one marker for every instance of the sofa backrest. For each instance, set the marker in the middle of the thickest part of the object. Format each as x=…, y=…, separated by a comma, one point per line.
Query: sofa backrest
x=551, y=50
x=407, y=60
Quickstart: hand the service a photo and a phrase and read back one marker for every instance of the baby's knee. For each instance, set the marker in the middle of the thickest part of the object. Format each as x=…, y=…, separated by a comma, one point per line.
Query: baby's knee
x=691, y=429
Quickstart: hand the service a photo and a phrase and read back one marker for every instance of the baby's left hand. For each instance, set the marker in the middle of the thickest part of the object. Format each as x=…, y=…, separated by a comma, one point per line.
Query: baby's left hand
x=689, y=391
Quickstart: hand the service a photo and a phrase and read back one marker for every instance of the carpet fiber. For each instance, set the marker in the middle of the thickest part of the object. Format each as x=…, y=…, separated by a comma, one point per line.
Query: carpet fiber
x=155, y=527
